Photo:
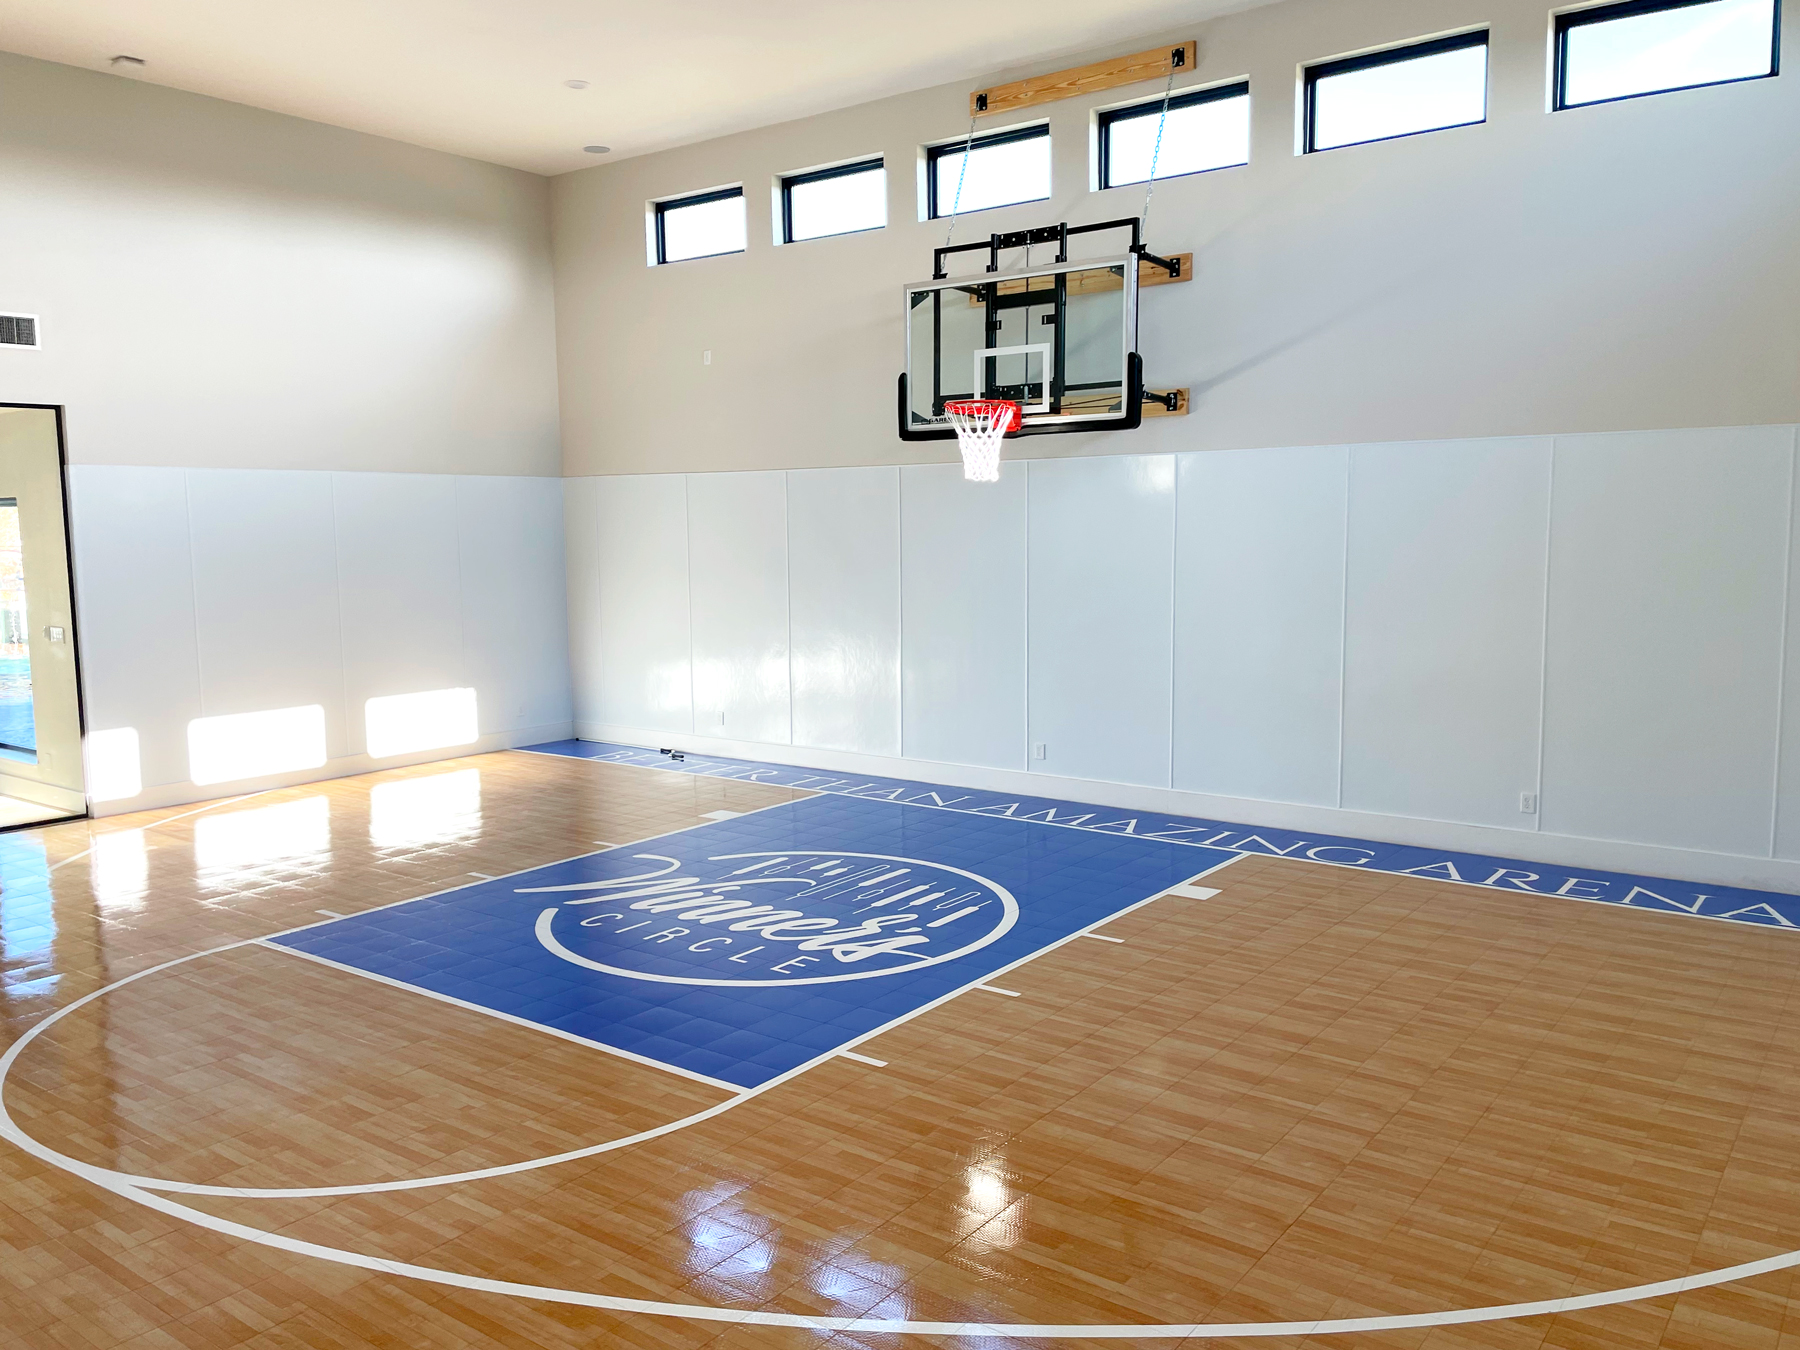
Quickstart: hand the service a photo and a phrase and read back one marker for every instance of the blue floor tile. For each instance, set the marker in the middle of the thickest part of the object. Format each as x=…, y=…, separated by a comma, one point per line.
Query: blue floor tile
x=746, y=948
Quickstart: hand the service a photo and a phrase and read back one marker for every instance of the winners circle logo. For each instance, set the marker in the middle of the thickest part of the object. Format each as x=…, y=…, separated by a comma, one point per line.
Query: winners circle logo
x=797, y=916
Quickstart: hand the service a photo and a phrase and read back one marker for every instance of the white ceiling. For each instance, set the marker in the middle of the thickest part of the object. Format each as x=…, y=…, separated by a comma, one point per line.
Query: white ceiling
x=485, y=78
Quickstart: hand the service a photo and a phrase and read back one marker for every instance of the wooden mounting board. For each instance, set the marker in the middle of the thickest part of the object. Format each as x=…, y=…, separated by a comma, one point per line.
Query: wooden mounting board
x=1074, y=407
x=1134, y=69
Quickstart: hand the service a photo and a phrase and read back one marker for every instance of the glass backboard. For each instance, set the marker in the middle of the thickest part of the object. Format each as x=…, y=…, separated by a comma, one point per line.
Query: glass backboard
x=1056, y=340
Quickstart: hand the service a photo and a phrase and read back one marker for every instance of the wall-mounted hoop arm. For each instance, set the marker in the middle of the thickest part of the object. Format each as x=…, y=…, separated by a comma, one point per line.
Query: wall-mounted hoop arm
x=1059, y=235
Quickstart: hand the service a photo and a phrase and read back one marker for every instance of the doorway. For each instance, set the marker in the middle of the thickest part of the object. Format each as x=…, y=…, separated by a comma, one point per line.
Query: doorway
x=41, y=774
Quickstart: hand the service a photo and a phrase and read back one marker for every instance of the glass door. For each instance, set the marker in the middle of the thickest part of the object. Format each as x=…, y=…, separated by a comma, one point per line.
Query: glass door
x=41, y=774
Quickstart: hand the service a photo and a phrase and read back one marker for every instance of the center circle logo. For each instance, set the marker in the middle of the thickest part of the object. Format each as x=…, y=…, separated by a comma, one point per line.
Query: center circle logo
x=780, y=917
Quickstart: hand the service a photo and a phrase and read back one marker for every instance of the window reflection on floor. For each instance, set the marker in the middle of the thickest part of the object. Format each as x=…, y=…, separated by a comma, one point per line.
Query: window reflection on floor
x=731, y=1250
x=27, y=919
x=119, y=867
x=236, y=848
x=414, y=812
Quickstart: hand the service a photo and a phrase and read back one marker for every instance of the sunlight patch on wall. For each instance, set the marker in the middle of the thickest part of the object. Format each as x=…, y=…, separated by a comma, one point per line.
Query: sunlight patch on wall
x=114, y=765
x=402, y=724
x=252, y=745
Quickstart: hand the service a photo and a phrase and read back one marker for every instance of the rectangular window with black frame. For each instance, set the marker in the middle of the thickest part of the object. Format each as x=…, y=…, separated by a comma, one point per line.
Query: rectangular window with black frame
x=1639, y=47
x=1000, y=169
x=1400, y=91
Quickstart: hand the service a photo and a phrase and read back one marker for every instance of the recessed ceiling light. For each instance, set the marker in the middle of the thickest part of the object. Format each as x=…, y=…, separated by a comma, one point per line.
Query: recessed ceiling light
x=575, y=84
x=598, y=149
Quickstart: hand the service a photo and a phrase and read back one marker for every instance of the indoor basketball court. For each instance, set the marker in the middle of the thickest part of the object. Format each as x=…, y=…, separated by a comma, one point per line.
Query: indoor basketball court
x=899, y=679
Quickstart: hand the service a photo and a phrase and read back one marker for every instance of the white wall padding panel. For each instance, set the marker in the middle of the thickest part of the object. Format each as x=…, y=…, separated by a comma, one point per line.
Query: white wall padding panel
x=641, y=562
x=1259, y=623
x=514, y=598
x=738, y=584
x=398, y=588
x=1444, y=628
x=844, y=592
x=1668, y=569
x=134, y=582
x=581, y=539
x=266, y=593
x=962, y=551
x=1101, y=553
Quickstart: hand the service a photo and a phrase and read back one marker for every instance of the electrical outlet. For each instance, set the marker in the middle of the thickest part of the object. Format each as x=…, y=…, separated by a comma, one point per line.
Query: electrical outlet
x=1040, y=751
x=1528, y=803
x=706, y=357
x=721, y=719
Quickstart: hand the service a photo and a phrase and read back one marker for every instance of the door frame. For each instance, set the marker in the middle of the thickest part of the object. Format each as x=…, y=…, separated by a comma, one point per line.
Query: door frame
x=62, y=470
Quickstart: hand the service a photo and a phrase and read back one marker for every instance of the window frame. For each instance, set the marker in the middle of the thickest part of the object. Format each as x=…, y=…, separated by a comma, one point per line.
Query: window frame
x=1390, y=56
x=1564, y=21
x=668, y=204
x=789, y=181
x=933, y=153
x=1107, y=118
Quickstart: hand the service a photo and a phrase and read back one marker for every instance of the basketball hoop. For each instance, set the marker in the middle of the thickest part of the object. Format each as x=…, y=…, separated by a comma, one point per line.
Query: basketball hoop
x=981, y=424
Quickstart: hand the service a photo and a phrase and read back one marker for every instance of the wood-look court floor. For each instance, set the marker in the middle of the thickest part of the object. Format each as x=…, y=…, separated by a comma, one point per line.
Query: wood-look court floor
x=1319, y=1094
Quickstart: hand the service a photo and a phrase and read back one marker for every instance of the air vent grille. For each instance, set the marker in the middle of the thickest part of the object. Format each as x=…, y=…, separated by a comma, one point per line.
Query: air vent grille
x=18, y=330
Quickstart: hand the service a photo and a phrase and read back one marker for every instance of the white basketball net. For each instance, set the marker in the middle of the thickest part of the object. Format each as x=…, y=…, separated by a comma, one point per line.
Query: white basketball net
x=980, y=427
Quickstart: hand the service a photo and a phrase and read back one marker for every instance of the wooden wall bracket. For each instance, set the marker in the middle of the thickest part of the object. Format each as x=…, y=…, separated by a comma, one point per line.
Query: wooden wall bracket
x=1154, y=64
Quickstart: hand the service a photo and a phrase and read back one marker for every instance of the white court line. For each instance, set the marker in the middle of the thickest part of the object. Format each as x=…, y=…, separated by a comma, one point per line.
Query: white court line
x=1194, y=892
x=862, y=1059
x=990, y=989
x=504, y=876
x=528, y=1164
x=331, y=914
x=485, y=876
x=721, y=815
x=121, y=1186
x=166, y=820
x=1101, y=937
x=392, y=983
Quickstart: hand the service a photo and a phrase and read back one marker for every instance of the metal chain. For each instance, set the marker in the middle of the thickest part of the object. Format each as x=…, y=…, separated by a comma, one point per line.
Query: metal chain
x=1156, y=152
x=961, y=174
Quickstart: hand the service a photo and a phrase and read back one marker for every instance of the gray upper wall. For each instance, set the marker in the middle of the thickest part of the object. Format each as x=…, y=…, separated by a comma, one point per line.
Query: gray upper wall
x=1626, y=266
x=220, y=286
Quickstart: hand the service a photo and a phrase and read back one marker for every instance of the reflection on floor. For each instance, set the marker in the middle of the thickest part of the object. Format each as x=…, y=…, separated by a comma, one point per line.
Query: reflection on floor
x=1298, y=1093
x=18, y=811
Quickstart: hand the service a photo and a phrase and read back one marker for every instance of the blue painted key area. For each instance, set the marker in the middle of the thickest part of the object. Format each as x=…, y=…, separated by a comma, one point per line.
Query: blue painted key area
x=742, y=950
